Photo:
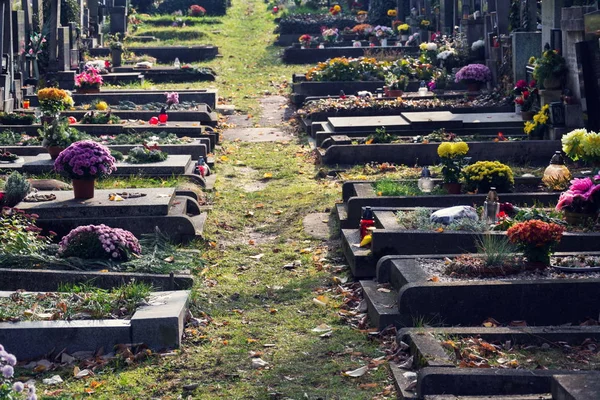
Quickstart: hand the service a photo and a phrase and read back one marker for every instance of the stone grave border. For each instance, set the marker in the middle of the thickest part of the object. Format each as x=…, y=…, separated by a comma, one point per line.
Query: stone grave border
x=341, y=151
x=166, y=54
x=440, y=376
x=296, y=55
x=358, y=194
x=414, y=297
x=159, y=326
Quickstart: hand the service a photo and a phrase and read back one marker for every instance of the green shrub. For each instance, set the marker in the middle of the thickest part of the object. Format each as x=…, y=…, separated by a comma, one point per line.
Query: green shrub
x=15, y=189
x=483, y=175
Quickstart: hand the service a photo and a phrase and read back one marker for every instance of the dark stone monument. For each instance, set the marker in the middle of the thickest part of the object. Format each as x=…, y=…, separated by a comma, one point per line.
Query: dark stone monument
x=588, y=65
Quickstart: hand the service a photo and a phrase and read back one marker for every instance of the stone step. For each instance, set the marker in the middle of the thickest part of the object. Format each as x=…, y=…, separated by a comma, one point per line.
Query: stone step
x=341, y=215
x=360, y=259
x=382, y=305
x=576, y=387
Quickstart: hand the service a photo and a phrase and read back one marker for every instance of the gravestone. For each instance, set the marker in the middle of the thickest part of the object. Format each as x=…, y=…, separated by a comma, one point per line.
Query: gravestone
x=52, y=37
x=118, y=20
x=588, y=60
x=27, y=10
x=37, y=15
x=6, y=44
x=64, y=47
x=551, y=16
x=529, y=15
x=525, y=45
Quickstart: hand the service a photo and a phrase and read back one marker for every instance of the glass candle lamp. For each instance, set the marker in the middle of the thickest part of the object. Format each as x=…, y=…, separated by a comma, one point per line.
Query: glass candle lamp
x=425, y=183
x=557, y=175
x=163, y=116
x=26, y=104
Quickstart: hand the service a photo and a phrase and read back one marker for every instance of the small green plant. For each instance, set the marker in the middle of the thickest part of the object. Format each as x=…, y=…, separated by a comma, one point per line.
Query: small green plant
x=16, y=119
x=93, y=117
x=143, y=155
x=117, y=155
x=483, y=175
x=496, y=250
x=391, y=187
x=19, y=235
x=15, y=189
x=380, y=136
x=60, y=133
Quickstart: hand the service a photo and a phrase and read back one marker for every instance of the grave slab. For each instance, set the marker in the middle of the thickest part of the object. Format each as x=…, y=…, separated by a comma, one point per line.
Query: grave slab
x=434, y=120
x=158, y=324
x=576, y=387
x=367, y=124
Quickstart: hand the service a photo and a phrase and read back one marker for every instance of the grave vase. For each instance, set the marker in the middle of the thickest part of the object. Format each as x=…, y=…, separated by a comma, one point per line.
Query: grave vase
x=452, y=188
x=116, y=56
x=54, y=151
x=473, y=86
x=83, y=188
x=575, y=218
x=551, y=83
x=404, y=37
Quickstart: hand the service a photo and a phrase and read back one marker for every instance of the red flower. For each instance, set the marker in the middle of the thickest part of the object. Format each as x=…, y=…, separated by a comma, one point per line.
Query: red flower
x=526, y=94
x=501, y=137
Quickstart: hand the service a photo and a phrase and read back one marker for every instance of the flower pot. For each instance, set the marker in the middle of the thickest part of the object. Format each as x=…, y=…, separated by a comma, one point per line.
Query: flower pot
x=452, y=188
x=473, y=86
x=54, y=151
x=575, y=218
x=83, y=188
x=518, y=109
x=116, y=57
x=403, y=37
x=392, y=92
x=527, y=115
x=88, y=90
x=552, y=83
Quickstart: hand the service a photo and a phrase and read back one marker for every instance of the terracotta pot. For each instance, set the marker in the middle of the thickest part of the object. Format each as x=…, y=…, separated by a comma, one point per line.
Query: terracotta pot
x=452, y=188
x=527, y=115
x=552, y=83
x=54, y=151
x=392, y=92
x=575, y=218
x=83, y=188
x=473, y=86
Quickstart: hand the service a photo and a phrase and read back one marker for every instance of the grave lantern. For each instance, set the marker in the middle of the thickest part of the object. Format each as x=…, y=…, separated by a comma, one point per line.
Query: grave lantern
x=556, y=175
x=425, y=183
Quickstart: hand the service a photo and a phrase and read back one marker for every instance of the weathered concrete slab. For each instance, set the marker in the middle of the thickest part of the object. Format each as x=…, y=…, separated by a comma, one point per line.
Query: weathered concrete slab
x=367, y=124
x=434, y=120
x=576, y=387
x=256, y=135
x=317, y=225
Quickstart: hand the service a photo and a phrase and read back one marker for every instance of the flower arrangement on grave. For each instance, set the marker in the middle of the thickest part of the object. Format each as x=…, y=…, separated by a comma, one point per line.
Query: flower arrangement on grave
x=396, y=82
x=24, y=237
x=483, y=175
x=426, y=24
x=413, y=39
x=550, y=69
x=90, y=78
x=453, y=160
x=305, y=40
x=329, y=35
x=146, y=154
x=85, y=160
x=34, y=46
x=403, y=29
x=16, y=118
x=8, y=389
x=59, y=133
x=429, y=52
x=536, y=239
x=424, y=71
x=392, y=13
x=103, y=66
x=477, y=45
x=335, y=10
x=473, y=73
x=8, y=156
x=53, y=101
x=347, y=69
x=363, y=30
x=446, y=55
x=536, y=127
x=100, y=118
x=438, y=81
x=382, y=32
x=527, y=95
x=172, y=99
x=100, y=105
x=99, y=242
x=582, y=197
x=380, y=136
x=196, y=11
x=581, y=144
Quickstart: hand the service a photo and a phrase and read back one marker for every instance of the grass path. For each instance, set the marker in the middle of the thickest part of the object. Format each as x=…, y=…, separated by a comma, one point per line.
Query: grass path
x=246, y=302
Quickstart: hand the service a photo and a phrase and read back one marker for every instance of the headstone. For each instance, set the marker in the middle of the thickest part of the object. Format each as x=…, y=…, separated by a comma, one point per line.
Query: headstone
x=118, y=20
x=502, y=13
x=529, y=15
x=588, y=57
x=27, y=10
x=37, y=15
x=64, y=50
x=525, y=45
x=52, y=37
x=18, y=31
x=551, y=15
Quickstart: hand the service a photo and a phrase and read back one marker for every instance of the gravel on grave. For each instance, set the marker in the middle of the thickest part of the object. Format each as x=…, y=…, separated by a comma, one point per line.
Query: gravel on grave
x=436, y=268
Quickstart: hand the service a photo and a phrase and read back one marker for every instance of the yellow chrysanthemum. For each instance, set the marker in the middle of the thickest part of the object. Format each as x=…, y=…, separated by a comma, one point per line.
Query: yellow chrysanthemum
x=591, y=144
x=423, y=46
x=571, y=143
x=444, y=149
x=392, y=13
x=337, y=8
x=460, y=148
x=102, y=105
x=403, y=27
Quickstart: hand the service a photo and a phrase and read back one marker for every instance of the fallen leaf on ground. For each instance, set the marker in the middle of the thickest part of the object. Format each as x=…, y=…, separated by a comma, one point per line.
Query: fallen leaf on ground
x=322, y=328
x=357, y=373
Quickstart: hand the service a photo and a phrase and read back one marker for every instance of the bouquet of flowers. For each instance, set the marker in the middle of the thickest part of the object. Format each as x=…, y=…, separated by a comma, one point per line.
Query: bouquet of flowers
x=403, y=29
x=452, y=156
x=581, y=144
x=396, y=82
x=536, y=239
x=53, y=101
x=583, y=196
x=85, y=160
x=392, y=13
x=550, y=65
x=474, y=73
x=329, y=35
x=305, y=40
x=382, y=32
x=172, y=99
x=426, y=24
x=90, y=78
x=34, y=47
x=196, y=11
x=335, y=10
x=540, y=121
x=99, y=242
x=362, y=29
x=527, y=94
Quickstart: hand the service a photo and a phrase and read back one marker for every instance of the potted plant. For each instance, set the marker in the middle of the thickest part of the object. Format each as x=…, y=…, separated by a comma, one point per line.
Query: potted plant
x=403, y=30
x=330, y=35
x=116, y=50
x=438, y=81
x=473, y=75
x=305, y=41
x=483, y=175
x=382, y=33
x=581, y=202
x=99, y=242
x=536, y=128
x=582, y=145
x=53, y=101
x=84, y=162
x=363, y=31
x=550, y=69
x=89, y=81
x=537, y=239
x=452, y=156
x=58, y=135
x=395, y=85
x=16, y=119
x=527, y=96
